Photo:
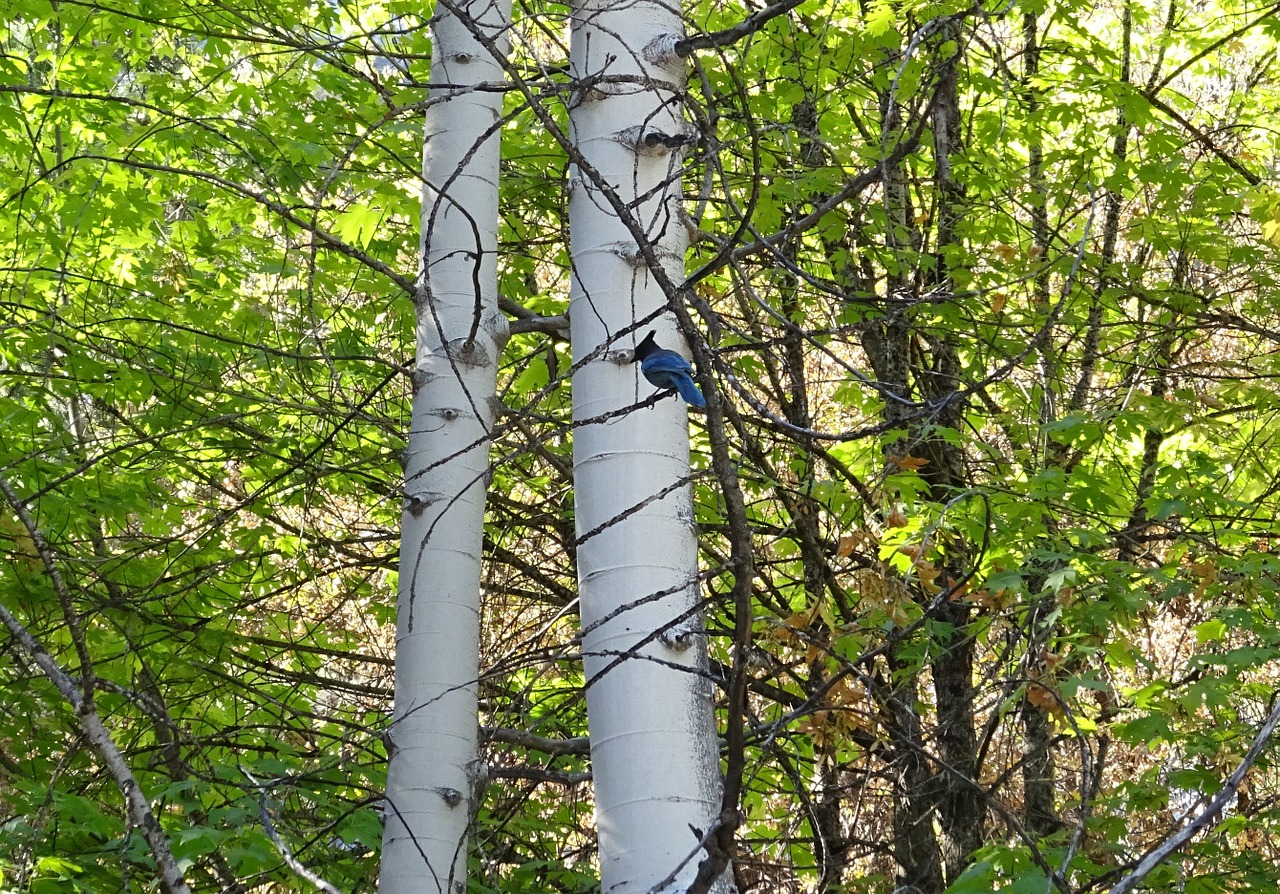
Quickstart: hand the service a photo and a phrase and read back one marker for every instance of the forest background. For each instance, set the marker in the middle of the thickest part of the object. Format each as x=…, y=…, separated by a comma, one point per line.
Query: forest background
x=988, y=294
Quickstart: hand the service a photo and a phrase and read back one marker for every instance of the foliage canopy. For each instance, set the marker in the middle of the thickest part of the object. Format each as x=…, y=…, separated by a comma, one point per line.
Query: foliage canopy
x=991, y=292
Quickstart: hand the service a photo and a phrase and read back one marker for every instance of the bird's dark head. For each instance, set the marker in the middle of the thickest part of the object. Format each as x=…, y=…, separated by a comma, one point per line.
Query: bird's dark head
x=647, y=346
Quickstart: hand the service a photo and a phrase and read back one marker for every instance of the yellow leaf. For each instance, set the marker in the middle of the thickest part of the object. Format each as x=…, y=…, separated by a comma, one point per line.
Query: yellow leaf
x=1043, y=699
x=1271, y=232
x=928, y=574
x=1005, y=251
x=908, y=463
x=899, y=615
x=24, y=548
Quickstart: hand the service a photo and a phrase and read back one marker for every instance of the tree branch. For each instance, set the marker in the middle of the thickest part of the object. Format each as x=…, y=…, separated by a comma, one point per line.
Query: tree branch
x=1206, y=817
x=749, y=25
x=139, y=809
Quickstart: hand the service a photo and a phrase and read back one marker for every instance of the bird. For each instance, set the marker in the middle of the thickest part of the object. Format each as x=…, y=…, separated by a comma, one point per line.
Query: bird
x=667, y=369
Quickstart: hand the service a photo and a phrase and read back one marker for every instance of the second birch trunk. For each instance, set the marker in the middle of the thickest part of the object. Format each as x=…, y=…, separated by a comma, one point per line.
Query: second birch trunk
x=649, y=698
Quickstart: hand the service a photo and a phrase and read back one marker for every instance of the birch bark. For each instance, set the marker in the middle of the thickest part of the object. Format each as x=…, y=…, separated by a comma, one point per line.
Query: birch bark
x=435, y=776
x=649, y=699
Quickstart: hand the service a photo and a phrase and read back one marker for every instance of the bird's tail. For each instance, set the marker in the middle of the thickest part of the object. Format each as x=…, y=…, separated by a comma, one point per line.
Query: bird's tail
x=689, y=391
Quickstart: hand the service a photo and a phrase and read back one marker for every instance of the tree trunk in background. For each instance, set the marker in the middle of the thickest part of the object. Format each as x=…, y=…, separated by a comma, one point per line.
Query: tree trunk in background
x=887, y=344
x=920, y=364
x=961, y=805
x=654, y=753
x=435, y=778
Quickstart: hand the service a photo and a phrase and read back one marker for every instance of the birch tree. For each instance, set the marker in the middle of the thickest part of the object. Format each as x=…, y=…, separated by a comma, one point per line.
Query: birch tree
x=649, y=699
x=435, y=776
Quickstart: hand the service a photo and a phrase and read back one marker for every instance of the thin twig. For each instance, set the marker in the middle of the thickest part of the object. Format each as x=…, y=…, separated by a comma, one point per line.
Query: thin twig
x=289, y=859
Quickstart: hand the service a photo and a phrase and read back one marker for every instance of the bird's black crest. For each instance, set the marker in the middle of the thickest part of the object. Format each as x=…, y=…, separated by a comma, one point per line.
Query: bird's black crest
x=648, y=346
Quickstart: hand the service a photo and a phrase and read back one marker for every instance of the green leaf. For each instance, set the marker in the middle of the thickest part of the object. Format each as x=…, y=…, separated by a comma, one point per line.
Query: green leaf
x=358, y=224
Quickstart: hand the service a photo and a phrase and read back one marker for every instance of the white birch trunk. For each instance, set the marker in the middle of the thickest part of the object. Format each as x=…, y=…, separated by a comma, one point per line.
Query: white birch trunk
x=654, y=752
x=434, y=774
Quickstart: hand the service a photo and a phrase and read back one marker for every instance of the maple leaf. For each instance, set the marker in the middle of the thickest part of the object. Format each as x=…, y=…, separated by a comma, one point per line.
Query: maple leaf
x=928, y=574
x=1045, y=700
x=908, y=463
x=850, y=542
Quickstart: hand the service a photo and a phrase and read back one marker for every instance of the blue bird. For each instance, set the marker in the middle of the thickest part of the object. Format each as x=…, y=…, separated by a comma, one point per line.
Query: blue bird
x=667, y=369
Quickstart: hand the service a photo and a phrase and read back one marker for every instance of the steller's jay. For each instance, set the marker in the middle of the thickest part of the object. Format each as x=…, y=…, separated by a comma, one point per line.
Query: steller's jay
x=667, y=369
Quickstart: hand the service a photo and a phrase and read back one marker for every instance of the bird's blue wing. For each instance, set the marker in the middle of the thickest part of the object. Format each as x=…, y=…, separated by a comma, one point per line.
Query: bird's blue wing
x=666, y=361
x=667, y=369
